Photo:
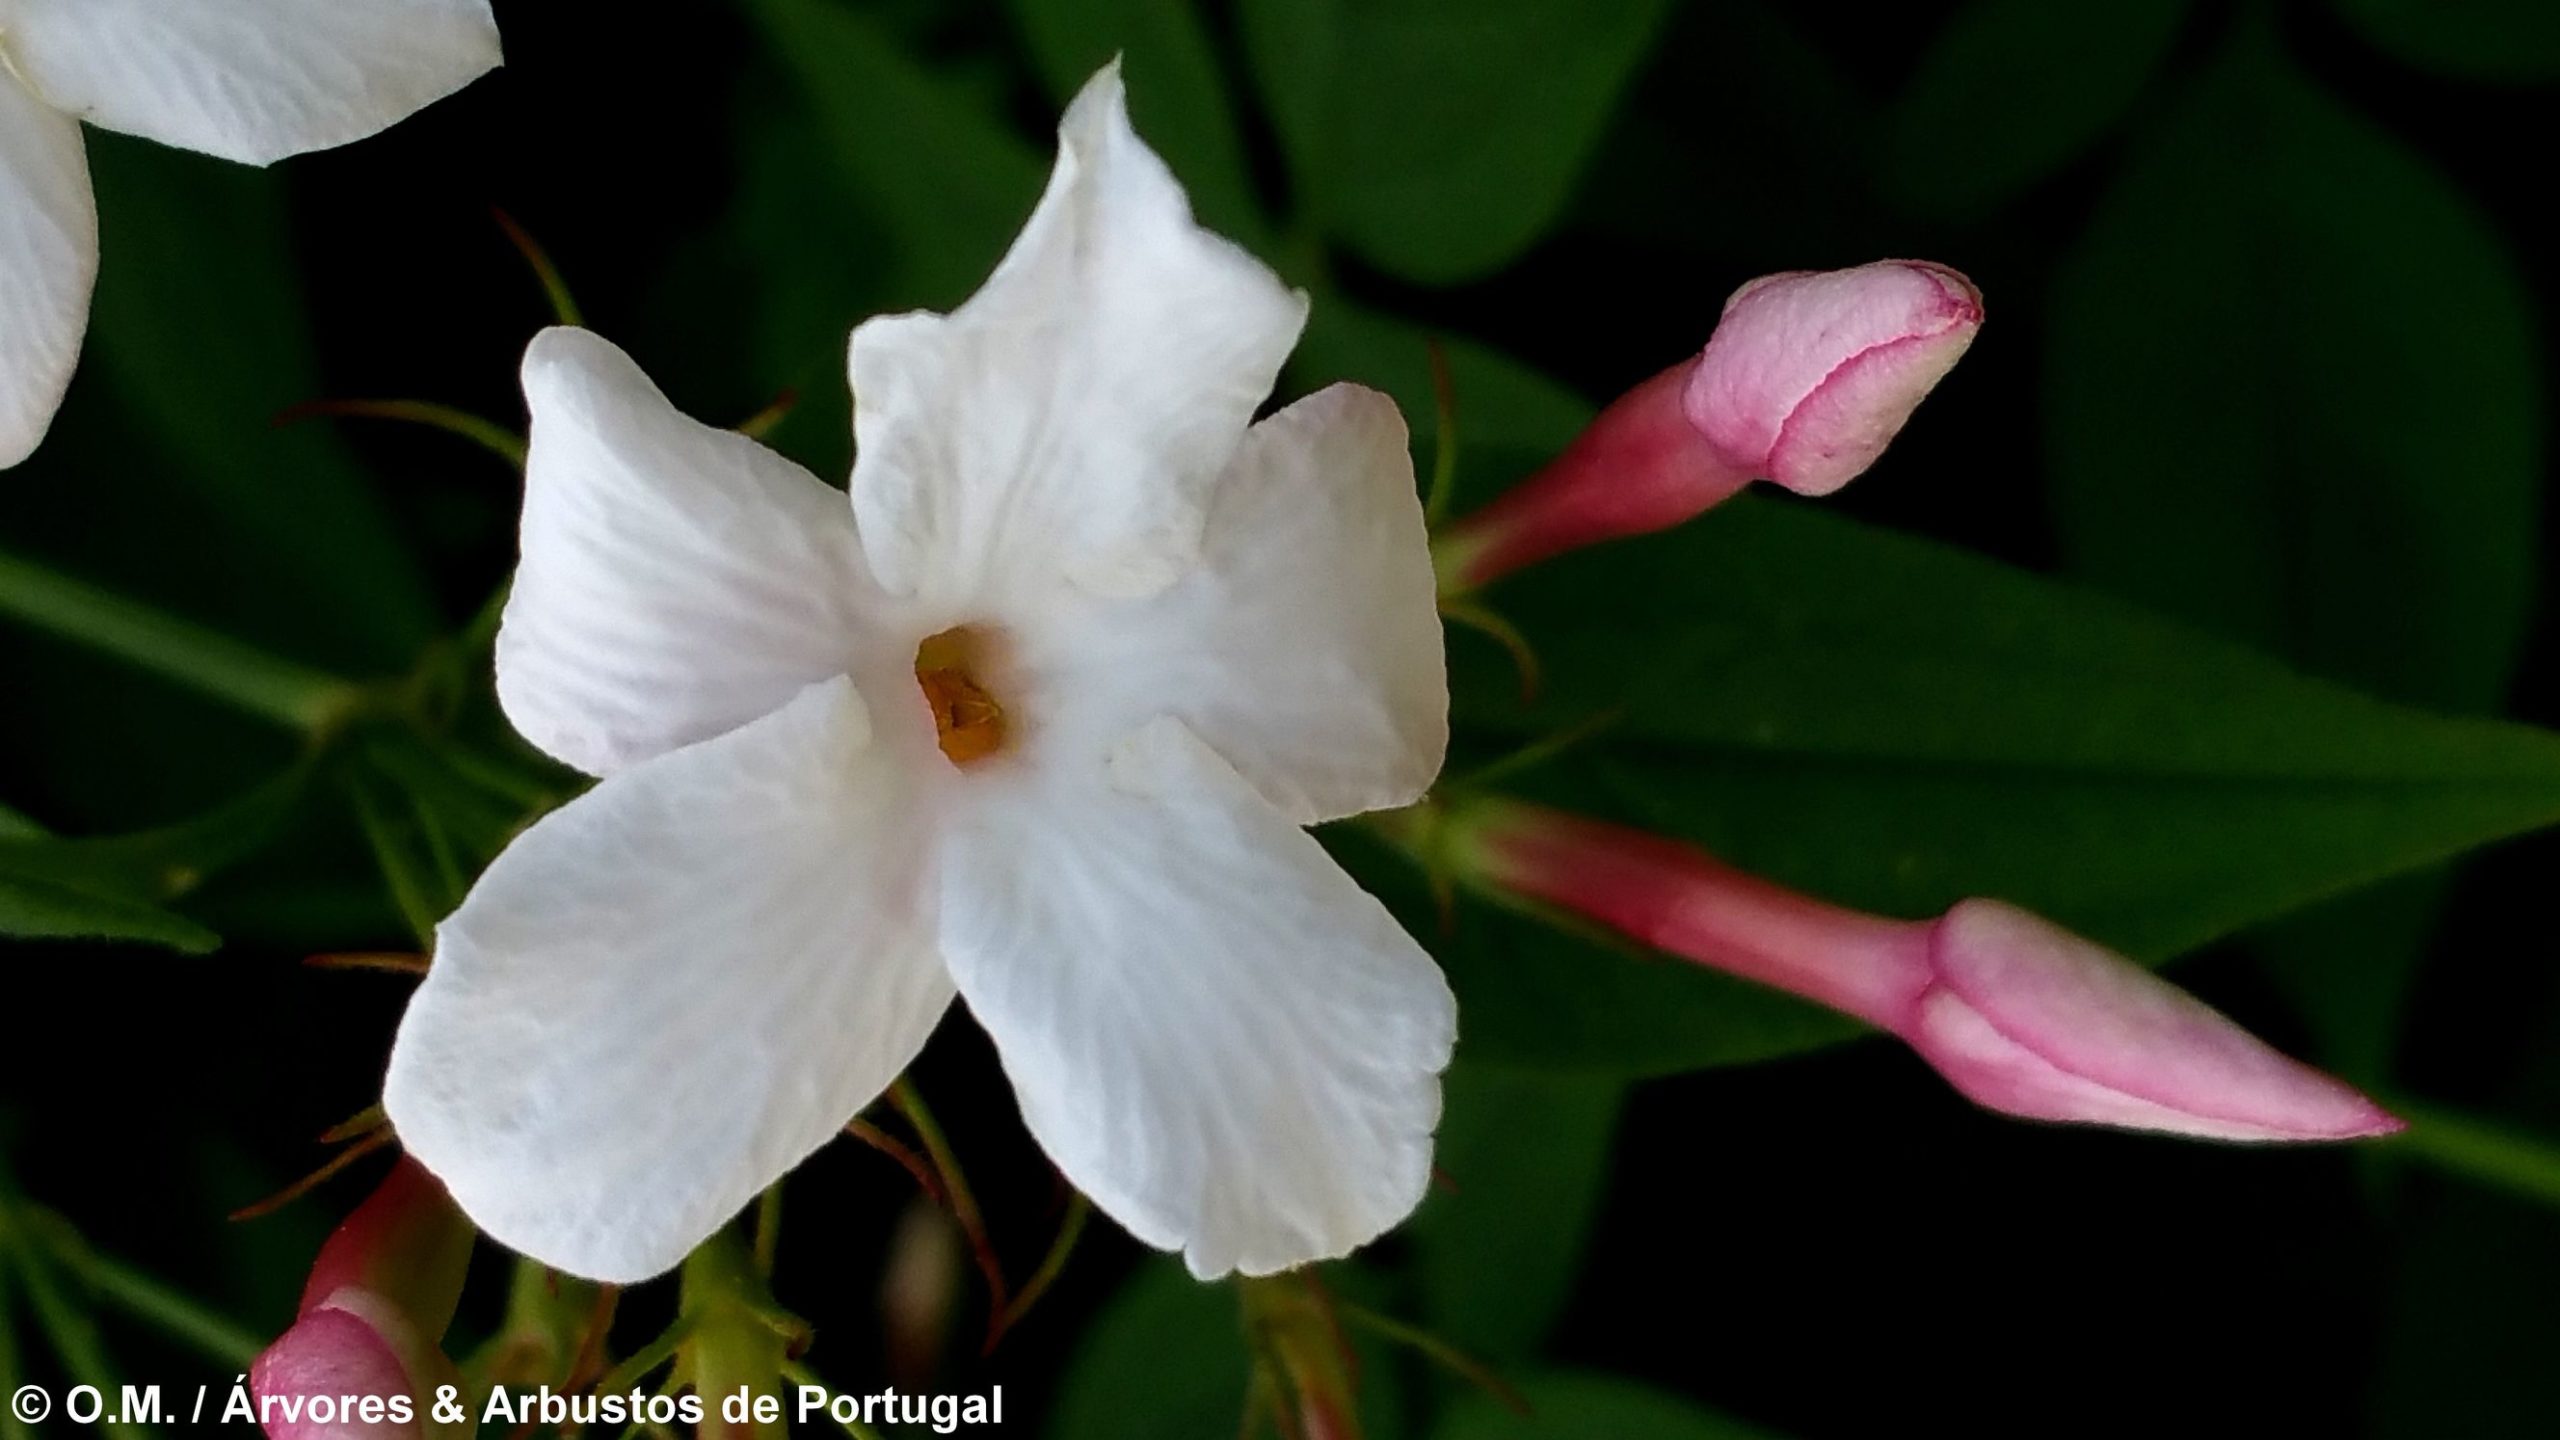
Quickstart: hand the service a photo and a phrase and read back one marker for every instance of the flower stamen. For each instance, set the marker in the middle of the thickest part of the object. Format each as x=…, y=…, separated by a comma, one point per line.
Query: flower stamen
x=967, y=722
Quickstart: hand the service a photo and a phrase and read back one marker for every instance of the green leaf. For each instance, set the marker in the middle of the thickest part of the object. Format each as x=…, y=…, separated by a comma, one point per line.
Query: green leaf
x=871, y=183
x=1441, y=138
x=1761, y=69
x=932, y=161
x=1167, y=1359
x=2348, y=968
x=2296, y=395
x=430, y=818
x=1894, y=725
x=200, y=328
x=1509, y=416
x=2296, y=398
x=117, y=887
x=1575, y=1405
x=44, y=909
x=1177, y=93
x=1164, y=1360
x=2465, y=1324
x=2013, y=90
x=2502, y=40
x=1528, y=1160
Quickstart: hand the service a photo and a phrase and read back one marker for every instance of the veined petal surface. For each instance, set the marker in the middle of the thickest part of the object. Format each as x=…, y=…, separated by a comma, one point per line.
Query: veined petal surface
x=1227, y=1044
x=671, y=990
x=1071, y=419
x=677, y=580
x=1305, y=648
x=48, y=263
x=248, y=80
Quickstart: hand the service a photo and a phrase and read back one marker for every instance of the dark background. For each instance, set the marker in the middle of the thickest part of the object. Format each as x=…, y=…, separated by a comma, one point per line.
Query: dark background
x=1828, y=1245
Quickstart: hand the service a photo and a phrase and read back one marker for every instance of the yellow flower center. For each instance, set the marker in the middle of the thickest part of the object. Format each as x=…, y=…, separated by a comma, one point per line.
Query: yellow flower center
x=967, y=722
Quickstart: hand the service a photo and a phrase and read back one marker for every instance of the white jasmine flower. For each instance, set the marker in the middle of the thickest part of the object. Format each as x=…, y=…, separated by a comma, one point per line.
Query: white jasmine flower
x=248, y=80
x=1039, y=718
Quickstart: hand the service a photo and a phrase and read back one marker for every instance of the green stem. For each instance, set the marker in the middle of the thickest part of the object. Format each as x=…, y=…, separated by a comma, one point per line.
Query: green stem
x=1444, y=450
x=1449, y=1357
x=629, y=1374
x=768, y=1229
x=955, y=1193
x=412, y=894
x=738, y=1341
x=1475, y=615
x=215, y=665
x=1070, y=1230
x=11, y=1427
x=800, y=1374
x=2478, y=1150
x=73, y=1331
x=139, y=1295
x=564, y=306
x=489, y=435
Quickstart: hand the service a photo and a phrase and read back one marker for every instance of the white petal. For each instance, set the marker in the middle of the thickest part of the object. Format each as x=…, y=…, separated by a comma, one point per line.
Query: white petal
x=1071, y=418
x=48, y=261
x=1306, y=648
x=1212, y=1030
x=250, y=80
x=677, y=580
x=667, y=993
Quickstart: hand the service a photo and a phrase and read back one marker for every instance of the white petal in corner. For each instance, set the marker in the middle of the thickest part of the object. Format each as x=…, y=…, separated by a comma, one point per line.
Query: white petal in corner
x=1212, y=1030
x=249, y=80
x=1072, y=417
x=670, y=991
x=1306, y=648
x=677, y=580
x=48, y=262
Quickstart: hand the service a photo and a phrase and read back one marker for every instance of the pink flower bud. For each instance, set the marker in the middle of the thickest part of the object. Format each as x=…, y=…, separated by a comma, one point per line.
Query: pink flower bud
x=373, y=1314
x=1811, y=374
x=314, y=1381
x=2018, y=1014
x=1807, y=377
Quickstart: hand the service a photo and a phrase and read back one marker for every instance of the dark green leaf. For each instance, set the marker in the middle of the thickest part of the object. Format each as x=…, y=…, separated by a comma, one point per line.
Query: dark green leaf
x=2296, y=398
x=1177, y=94
x=1442, y=138
x=1167, y=1359
x=1571, y=1405
x=1506, y=411
x=1751, y=68
x=1527, y=1155
x=1894, y=725
x=2012, y=90
x=200, y=328
x=37, y=909
x=433, y=824
x=2464, y=1326
x=2511, y=40
x=945, y=177
x=117, y=887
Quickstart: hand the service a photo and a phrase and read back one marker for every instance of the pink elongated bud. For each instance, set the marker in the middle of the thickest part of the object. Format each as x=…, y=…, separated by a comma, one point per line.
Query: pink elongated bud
x=362, y=1362
x=2020, y=1015
x=1808, y=376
